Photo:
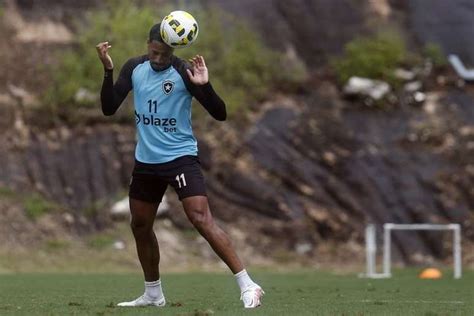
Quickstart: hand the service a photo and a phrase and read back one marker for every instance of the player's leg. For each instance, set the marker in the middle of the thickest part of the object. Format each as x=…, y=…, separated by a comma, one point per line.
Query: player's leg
x=187, y=179
x=142, y=219
x=145, y=195
x=198, y=212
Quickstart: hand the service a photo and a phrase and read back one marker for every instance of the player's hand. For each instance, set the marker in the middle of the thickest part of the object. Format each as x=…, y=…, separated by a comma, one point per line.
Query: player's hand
x=103, y=52
x=199, y=76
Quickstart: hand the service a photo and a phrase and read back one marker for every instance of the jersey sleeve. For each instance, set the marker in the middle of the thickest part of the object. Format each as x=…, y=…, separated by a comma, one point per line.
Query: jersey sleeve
x=112, y=95
x=205, y=94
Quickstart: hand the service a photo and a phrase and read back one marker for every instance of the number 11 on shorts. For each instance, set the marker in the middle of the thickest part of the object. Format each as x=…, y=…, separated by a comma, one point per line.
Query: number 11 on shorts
x=181, y=180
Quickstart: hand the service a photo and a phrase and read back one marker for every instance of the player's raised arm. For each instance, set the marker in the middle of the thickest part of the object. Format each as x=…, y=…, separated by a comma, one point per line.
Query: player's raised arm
x=111, y=96
x=103, y=52
x=204, y=93
x=199, y=76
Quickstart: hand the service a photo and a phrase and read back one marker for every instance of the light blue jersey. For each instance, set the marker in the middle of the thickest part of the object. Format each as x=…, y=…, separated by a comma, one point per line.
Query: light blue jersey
x=162, y=102
x=162, y=115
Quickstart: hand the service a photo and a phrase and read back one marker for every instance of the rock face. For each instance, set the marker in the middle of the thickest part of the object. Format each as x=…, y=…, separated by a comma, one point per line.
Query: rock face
x=448, y=23
x=316, y=29
x=338, y=168
x=314, y=171
x=309, y=172
x=76, y=168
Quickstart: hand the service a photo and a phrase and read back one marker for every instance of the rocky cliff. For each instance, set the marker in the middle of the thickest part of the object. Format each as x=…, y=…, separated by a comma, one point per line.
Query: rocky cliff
x=309, y=169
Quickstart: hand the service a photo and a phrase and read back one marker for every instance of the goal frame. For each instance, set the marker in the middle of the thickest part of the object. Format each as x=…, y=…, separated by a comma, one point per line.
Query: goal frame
x=371, y=246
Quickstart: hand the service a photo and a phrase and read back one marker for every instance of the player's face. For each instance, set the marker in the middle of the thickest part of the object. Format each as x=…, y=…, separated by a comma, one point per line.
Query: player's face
x=159, y=55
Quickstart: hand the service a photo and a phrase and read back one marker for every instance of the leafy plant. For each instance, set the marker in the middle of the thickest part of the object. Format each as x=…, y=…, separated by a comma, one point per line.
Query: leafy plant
x=6, y=192
x=57, y=244
x=100, y=241
x=374, y=57
x=241, y=68
x=36, y=206
x=434, y=52
x=125, y=26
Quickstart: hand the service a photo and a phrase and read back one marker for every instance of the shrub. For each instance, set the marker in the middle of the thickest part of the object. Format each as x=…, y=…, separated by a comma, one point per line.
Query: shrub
x=57, y=245
x=6, y=192
x=374, y=57
x=36, y=206
x=100, y=241
x=124, y=26
x=241, y=68
x=434, y=52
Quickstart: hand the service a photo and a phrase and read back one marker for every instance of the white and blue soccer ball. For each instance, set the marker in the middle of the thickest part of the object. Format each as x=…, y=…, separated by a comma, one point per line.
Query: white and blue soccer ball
x=179, y=29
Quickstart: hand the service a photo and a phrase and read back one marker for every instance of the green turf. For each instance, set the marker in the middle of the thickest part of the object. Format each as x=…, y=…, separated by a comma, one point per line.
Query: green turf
x=305, y=293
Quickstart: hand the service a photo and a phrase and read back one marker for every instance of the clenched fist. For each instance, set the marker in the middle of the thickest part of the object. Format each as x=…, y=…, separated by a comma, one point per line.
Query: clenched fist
x=103, y=52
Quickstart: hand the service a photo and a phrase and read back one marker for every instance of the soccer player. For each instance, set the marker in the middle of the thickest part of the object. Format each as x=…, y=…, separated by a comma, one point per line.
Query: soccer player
x=166, y=154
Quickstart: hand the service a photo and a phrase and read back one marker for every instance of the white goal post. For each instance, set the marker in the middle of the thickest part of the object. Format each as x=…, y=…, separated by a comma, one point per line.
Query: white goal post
x=371, y=246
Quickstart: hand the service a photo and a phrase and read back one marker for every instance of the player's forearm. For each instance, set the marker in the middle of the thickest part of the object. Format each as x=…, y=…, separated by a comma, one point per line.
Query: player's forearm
x=213, y=103
x=108, y=98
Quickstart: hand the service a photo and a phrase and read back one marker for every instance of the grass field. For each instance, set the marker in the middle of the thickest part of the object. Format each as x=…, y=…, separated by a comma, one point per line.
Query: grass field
x=304, y=293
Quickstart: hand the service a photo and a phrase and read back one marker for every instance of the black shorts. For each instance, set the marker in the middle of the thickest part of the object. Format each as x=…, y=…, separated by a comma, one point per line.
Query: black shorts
x=149, y=181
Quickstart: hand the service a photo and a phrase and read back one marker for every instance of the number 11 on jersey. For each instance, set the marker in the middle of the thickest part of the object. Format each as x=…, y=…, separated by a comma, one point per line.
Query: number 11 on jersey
x=152, y=106
x=181, y=180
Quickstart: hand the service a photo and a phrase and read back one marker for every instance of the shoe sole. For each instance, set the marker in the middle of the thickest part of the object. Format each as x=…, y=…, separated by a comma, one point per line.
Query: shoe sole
x=155, y=305
x=159, y=304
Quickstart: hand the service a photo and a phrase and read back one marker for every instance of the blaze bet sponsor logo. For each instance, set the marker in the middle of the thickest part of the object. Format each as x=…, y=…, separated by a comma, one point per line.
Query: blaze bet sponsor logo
x=168, y=123
x=152, y=119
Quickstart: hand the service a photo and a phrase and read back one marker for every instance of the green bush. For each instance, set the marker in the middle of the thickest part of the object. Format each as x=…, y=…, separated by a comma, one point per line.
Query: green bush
x=374, y=57
x=6, y=192
x=100, y=241
x=434, y=52
x=124, y=26
x=241, y=68
x=36, y=206
x=57, y=245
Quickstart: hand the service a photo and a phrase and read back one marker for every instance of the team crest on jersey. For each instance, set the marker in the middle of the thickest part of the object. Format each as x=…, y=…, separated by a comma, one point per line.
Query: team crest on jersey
x=167, y=86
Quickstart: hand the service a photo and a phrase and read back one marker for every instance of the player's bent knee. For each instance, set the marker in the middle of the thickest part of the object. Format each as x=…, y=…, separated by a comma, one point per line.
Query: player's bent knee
x=201, y=219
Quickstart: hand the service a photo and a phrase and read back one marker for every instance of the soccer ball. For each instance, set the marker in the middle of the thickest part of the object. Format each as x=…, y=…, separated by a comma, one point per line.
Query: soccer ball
x=179, y=29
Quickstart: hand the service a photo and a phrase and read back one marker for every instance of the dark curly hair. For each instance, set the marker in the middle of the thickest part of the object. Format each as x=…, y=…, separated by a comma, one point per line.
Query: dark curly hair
x=155, y=34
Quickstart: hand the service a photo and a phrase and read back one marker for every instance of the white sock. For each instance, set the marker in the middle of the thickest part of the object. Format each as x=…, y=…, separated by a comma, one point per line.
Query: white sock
x=243, y=280
x=153, y=290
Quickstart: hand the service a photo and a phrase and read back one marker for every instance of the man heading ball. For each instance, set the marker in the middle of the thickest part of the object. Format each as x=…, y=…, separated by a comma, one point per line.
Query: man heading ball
x=166, y=154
